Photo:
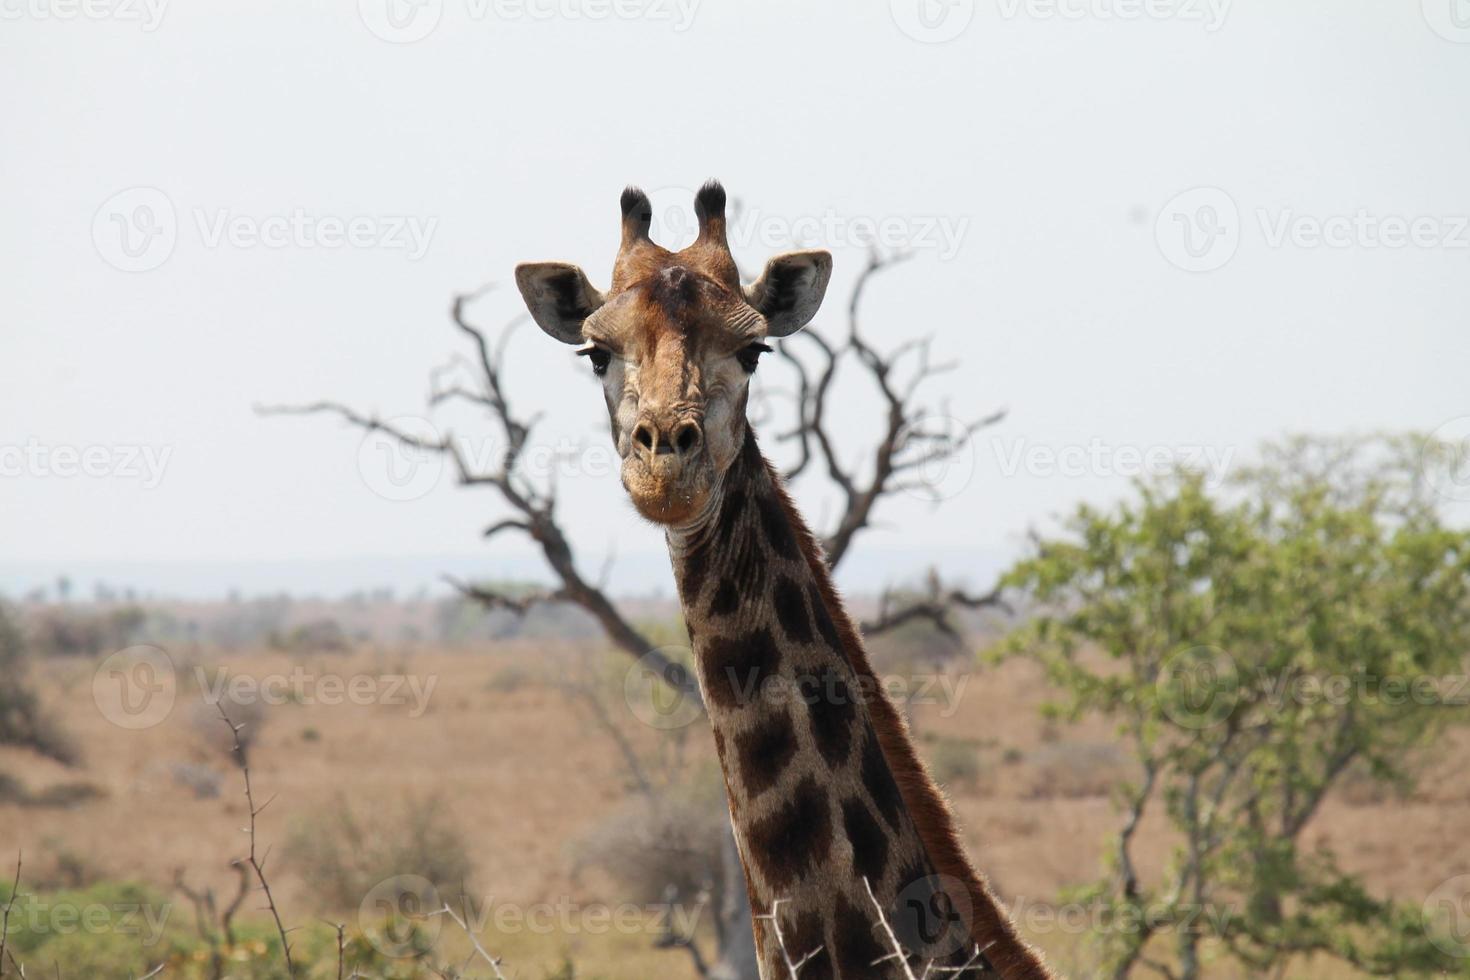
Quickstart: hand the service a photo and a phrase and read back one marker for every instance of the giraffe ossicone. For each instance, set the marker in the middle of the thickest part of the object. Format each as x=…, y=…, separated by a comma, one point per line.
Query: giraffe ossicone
x=834, y=814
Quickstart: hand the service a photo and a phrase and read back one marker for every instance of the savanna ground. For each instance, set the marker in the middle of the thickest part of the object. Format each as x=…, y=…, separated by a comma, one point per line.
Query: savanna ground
x=526, y=775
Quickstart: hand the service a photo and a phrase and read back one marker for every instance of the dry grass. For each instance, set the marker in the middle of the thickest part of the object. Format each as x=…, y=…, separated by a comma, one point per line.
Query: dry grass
x=523, y=778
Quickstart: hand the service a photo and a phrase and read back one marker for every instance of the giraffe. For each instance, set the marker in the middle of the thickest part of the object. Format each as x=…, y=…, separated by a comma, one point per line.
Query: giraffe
x=833, y=812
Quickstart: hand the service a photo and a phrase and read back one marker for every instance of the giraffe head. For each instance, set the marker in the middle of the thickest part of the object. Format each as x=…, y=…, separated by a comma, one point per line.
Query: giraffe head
x=674, y=341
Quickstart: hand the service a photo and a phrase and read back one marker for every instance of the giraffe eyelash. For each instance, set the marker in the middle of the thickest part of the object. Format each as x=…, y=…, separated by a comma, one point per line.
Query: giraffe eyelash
x=750, y=355
x=601, y=357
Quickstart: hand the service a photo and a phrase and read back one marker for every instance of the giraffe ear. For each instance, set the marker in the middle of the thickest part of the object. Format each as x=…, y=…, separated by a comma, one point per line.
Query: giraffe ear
x=558, y=296
x=789, y=292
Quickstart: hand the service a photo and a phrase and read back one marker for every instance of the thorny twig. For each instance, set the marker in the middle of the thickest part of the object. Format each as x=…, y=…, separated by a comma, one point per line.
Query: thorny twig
x=976, y=963
x=256, y=864
x=480, y=951
x=774, y=918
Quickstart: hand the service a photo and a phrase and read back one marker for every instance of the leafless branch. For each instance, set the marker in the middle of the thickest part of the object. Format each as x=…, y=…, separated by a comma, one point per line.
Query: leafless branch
x=256, y=864
x=911, y=438
x=934, y=605
x=533, y=504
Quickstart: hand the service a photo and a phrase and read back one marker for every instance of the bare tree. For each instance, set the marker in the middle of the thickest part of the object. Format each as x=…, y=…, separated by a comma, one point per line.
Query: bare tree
x=911, y=437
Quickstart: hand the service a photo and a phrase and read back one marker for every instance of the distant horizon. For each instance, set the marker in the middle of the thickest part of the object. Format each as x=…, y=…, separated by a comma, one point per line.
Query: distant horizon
x=636, y=575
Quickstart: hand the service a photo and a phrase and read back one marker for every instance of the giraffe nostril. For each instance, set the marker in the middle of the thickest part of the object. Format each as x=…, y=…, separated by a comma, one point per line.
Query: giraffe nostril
x=643, y=435
x=688, y=438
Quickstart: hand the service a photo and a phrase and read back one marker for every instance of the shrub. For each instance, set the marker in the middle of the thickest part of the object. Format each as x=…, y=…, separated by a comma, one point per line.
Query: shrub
x=23, y=722
x=345, y=854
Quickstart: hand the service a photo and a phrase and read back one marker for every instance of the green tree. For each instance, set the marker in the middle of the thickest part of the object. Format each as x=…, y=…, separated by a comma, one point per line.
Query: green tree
x=1253, y=644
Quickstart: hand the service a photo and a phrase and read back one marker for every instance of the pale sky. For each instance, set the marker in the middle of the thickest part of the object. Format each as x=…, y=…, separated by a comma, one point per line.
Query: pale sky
x=1179, y=226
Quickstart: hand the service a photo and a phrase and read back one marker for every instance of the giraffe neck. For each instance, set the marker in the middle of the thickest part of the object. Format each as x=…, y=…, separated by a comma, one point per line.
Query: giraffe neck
x=827, y=797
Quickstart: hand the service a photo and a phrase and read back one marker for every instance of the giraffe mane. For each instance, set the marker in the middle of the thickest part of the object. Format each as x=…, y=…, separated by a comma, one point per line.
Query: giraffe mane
x=930, y=811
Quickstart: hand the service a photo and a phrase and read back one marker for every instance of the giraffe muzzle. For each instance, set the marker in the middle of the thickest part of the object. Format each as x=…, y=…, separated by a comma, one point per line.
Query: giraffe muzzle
x=666, y=471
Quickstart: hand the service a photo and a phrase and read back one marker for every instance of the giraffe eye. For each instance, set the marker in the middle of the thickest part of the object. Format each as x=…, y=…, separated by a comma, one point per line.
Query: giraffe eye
x=749, y=357
x=600, y=357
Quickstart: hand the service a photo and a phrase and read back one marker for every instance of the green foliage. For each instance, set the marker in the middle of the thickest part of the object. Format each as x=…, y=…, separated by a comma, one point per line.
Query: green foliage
x=123, y=929
x=1251, y=646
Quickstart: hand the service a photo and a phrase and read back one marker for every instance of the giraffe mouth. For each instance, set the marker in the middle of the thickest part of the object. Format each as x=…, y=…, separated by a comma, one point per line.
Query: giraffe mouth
x=666, y=489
